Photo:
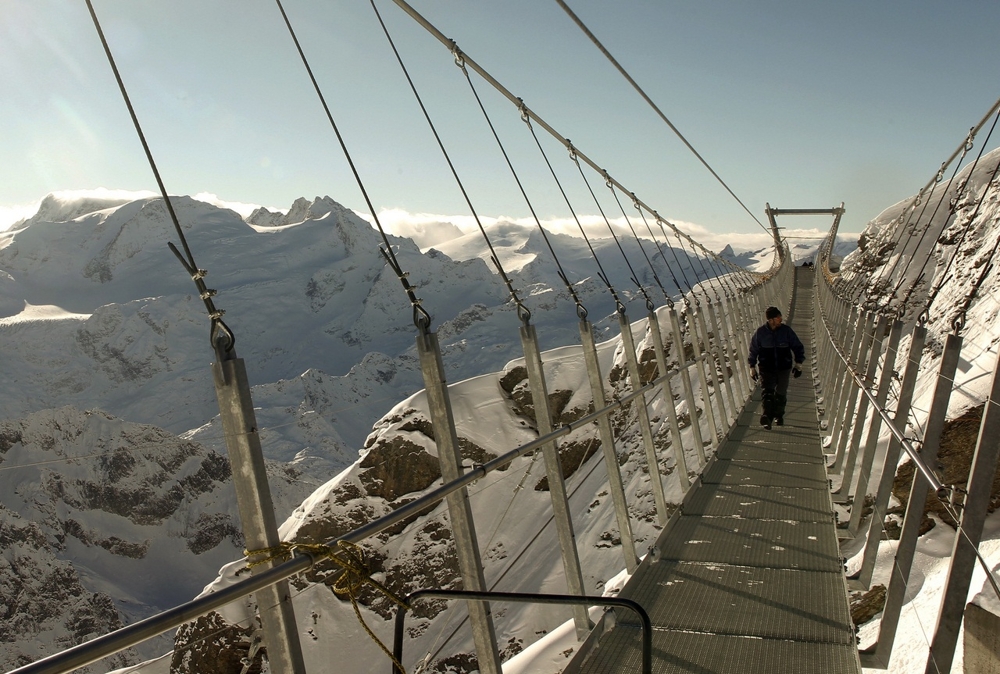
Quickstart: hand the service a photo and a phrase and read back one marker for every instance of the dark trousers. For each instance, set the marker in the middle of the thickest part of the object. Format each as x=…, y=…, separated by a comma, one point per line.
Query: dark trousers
x=774, y=389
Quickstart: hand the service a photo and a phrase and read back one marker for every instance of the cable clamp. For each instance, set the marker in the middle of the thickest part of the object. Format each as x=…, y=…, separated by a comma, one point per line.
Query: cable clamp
x=209, y=293
x=523, y=109
x=217, y=314
x=199, y=275
x=457, y=53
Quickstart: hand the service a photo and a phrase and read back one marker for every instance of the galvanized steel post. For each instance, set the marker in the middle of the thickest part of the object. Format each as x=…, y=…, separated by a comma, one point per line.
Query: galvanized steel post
x=608, y=446
x=253, y=497
x=903, y=402
x=652, y=463
x=668, y=401
x=561, y=514
x=682, y=365
x=871, y=441
x=970, y=534
x=463, y=528
x=906, y=547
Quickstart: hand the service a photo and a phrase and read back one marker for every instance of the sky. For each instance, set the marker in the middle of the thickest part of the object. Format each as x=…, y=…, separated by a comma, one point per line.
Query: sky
x=800, y=105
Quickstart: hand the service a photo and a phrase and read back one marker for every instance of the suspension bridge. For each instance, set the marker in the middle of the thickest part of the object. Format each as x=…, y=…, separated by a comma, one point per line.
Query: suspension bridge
x=747, y=573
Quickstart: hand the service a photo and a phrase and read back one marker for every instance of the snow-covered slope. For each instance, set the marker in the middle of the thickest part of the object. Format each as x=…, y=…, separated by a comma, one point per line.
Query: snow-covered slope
x=97, y=314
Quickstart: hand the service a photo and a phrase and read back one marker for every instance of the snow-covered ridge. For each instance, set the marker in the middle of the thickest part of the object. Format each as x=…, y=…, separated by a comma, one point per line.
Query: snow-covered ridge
x=97, y=313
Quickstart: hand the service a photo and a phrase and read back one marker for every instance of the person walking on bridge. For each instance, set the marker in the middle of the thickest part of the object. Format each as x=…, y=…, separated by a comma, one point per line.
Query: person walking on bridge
x=776, y=351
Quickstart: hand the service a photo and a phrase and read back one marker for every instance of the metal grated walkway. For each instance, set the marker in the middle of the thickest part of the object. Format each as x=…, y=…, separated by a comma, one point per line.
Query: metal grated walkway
x=749, y=578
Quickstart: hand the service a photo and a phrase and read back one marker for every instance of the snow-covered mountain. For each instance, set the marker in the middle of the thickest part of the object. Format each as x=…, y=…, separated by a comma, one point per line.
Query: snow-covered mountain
x=510, y=507
x=96, y=314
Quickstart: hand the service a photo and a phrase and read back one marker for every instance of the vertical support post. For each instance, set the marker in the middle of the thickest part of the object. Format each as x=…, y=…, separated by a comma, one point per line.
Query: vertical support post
x=843, y=493
x=668, y=401
x=682, y=365
x=253, y=497
x=731, y=311
x=868, y=455
x=724, y=378
x=838, y=376
x=459, y=509
x=907, y=545
x=553, y=469
x=917, y=340
x=608, y=446
x=850, y=411
x=701, y=355
x=652, y=464
x=969, y=535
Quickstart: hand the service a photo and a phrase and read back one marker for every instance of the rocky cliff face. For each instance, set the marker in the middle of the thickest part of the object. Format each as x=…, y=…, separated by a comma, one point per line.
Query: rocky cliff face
x=97, y=516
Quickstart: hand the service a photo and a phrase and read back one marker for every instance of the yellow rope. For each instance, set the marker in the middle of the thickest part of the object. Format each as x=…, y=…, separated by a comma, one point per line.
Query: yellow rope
x=350, y=558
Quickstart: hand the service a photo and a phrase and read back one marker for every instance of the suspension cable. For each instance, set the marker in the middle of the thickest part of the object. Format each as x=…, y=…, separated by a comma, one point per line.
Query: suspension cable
x=222, y=338
x=522, y=311
x=522, y=108
x=421, y=319
x=960, y=192
x=649, y=262
x=653, y=105
x=959, y=321
x=930, y=219
x=581, y=311
x=634, y=276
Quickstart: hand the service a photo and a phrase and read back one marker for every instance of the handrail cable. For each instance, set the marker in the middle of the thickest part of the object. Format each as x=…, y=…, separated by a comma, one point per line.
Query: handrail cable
x=421, y=319
x=960, y=193
x=659, y=112
x=600, y=209
x=523, y=109
x=941, y=490
x=522, y=311
x=222, y=338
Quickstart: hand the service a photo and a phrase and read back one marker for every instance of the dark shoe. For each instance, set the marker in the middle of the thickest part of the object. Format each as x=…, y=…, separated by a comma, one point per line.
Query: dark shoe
x=765, y=421
x=780, y=421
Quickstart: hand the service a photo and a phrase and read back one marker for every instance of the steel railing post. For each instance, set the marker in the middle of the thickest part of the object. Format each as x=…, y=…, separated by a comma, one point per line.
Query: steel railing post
x=253, y=497
x=841, y=385
x=701, y=355
x=459, y=509
x=875, y=428
x=561, y=514
x=850, y=411
x=912, y=519
x=642, y=414
x=904, y=400
x=725, y=380
x=668, y=400
x=608, y=446
x=969, y=535
x=682, y=365
x=860, y=425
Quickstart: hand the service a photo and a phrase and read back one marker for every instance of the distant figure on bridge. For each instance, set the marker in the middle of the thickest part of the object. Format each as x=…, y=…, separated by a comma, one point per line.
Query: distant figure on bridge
x=776, y=351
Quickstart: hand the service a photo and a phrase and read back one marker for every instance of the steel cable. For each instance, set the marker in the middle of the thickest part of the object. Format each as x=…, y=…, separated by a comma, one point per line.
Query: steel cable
x=421, y=319
x=659, y=112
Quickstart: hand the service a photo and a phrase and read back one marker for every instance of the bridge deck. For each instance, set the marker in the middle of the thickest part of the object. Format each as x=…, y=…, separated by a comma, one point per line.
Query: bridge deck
x=749, y=577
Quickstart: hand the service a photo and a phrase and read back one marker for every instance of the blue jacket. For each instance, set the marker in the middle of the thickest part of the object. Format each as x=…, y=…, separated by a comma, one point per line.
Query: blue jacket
x=774, y=350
